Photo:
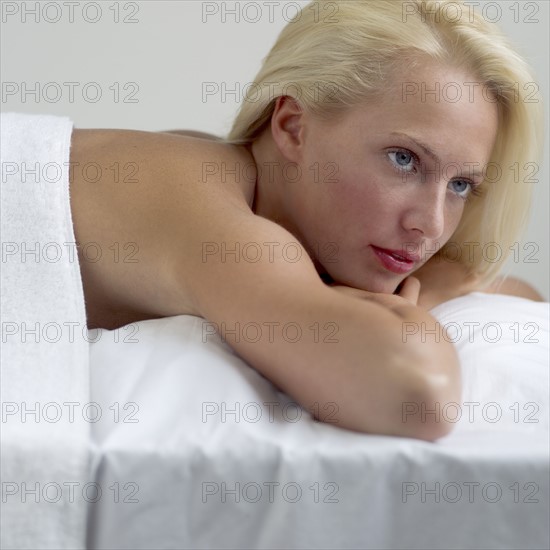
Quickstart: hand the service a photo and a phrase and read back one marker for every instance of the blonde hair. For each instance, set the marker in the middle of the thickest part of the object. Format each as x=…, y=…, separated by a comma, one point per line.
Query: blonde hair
x=352, y=47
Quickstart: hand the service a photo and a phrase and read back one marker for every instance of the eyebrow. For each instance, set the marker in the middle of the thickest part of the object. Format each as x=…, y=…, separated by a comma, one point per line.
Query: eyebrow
x=429, y=152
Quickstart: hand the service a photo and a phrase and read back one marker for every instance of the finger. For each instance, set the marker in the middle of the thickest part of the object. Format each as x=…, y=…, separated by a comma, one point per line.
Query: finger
x=410, y=289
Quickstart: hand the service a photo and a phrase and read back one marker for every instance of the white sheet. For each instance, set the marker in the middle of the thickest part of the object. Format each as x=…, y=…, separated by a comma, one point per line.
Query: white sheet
x=45, y=358
x=195, y=478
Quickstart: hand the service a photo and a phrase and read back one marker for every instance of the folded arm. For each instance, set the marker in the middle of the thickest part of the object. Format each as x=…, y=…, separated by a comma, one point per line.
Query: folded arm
x=316, y=344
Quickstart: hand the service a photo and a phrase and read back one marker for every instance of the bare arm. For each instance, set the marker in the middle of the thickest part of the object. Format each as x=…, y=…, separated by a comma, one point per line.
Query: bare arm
x=443, y=280
x=318, y=345
x=512, y=286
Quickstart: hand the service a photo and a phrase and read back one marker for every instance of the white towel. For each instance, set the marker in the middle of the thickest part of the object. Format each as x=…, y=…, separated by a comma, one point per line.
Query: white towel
x=45, y=353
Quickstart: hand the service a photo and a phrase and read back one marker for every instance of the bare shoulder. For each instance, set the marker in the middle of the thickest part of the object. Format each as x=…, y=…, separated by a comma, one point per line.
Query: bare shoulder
x=442, y=281
x=512, y=286
x=194, y=133
x=138, y=200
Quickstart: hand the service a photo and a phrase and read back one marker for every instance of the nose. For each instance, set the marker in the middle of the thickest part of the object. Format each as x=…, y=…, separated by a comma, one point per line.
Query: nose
x=425, y=210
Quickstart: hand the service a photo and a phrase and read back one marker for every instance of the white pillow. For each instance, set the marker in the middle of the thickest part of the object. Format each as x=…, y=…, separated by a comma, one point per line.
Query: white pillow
x=503, y=345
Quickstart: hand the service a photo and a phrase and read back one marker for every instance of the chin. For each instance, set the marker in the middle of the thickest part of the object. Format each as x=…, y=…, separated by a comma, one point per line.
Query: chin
x=375, y=283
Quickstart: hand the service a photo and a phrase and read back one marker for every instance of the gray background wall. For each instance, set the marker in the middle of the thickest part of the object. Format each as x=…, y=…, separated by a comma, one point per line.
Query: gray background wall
x=157, y=65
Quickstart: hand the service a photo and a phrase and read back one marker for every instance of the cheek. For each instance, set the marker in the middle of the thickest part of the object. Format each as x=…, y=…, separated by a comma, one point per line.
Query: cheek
x=354, y=195
x=452, y=219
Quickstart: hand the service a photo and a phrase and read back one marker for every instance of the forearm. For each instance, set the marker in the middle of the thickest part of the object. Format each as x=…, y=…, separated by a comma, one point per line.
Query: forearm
x=316, y=344
x=350, y=360
x=422, y=371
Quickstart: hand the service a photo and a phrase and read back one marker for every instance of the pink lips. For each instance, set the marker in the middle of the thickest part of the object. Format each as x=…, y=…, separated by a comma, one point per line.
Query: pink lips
x=396, y=261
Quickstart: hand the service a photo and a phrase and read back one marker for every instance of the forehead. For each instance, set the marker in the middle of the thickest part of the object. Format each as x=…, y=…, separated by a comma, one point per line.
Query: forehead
x=426, y=81
x=445, y=107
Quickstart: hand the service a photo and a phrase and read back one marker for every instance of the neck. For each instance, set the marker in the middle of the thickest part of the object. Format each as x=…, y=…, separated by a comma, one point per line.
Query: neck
x=271, y=193
x=268, y=202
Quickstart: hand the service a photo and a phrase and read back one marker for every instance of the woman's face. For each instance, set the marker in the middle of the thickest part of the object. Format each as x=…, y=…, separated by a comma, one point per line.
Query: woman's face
x=391, y=176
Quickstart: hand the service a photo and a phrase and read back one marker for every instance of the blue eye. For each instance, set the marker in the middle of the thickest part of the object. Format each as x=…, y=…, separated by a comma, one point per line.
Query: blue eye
x=466, y=189
x=403, y=159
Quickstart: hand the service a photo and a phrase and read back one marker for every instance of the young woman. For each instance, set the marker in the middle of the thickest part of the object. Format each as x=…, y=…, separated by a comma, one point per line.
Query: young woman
x=375, y=145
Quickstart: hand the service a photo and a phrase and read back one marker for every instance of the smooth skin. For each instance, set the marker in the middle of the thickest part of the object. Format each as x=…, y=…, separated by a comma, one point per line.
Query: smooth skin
x=166, y=232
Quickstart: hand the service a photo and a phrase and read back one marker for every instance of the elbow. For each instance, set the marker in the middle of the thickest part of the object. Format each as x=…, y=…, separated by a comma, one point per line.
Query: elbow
x=414, y=400
x=428, y=407
x=423, y=415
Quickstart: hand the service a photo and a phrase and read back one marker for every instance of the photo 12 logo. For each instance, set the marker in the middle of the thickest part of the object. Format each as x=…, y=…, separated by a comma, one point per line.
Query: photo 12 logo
x=467, y=11
x=69, y=492
x=70, y=12
x=471, y=412
x=53, y=412
x=70, y=92
x=269, y=492
x=468, y=491
x=268, y=11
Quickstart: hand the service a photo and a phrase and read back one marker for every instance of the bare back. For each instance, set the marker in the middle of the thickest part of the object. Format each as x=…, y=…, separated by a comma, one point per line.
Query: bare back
x=134, y=198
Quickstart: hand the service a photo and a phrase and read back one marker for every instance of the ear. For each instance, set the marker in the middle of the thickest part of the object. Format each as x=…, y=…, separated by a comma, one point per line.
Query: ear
x=287, y=127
